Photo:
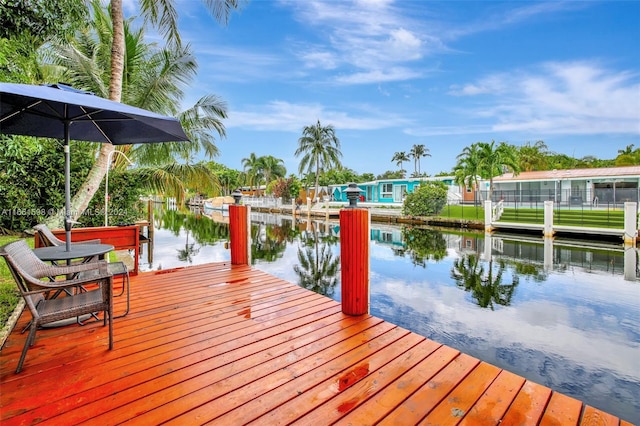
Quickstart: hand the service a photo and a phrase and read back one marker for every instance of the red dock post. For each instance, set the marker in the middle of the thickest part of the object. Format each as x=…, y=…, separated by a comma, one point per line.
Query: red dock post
x=239, y=234
x=354, y=258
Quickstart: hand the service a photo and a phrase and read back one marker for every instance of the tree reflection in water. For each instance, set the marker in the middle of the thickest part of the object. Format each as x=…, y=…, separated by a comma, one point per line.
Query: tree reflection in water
x=422, y=245
x=317, y=266
x=486, y=286
x=270, y=241
x=190, y=250
x=198, y=232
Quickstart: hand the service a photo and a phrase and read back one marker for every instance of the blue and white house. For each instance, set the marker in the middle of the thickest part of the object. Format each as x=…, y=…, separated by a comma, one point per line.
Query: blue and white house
x=390, y=191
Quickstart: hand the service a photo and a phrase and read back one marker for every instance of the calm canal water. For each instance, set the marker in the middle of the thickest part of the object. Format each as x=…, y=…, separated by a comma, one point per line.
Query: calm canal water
x=565, y=315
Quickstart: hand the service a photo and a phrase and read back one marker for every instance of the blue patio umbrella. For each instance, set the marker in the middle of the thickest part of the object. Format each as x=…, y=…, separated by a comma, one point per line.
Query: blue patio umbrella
x=62, y=112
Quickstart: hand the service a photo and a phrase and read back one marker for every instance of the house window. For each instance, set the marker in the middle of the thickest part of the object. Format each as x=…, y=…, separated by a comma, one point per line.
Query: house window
x=387, y=190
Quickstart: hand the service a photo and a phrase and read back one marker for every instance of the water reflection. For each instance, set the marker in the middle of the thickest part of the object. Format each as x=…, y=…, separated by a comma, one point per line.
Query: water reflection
x=562, y=313
x=317, y=266
x=485, y=286
x=269, y=240
x=422, y=245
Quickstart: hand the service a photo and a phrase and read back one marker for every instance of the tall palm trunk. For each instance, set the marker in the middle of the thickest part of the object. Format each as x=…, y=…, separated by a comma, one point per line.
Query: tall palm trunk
x=315, y=195
x=117, y=51
x=82, y=198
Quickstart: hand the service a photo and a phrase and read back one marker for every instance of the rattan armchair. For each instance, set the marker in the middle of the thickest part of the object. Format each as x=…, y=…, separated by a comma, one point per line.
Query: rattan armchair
x=49, y=239
x=34, y=279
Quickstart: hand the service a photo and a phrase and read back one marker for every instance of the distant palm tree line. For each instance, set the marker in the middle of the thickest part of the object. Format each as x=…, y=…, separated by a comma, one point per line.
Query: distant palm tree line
x=319, y=148
x=417, y=152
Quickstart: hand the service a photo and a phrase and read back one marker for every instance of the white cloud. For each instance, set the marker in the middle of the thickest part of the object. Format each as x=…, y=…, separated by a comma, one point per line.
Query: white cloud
x=379, y=4
x=323, y=60
x=448, y=130
x=378, y=76
x=403, y=40
x=559, y=98
x=237, y=64
x=364, y=39
x=497, y=19
x=292, y=117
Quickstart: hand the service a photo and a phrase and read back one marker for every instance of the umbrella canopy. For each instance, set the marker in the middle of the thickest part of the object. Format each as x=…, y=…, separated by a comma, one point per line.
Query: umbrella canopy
x=62, y=112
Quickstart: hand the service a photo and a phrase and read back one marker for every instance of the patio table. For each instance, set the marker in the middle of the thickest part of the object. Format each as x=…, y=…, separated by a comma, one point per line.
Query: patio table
x=86, y=252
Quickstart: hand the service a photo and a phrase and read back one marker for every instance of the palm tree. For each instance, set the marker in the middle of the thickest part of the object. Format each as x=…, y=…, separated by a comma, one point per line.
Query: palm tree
x=267, y=244
x=496, y=160
x=153, y=80
x=485, y=160
x=229, y=179
x=190, y=250
x=320, y=149
x=627, y=157
x=272, y=168
x=533, y=157
x=627, y=151
x=417, y=152
x=163, y=15
x=253, y=170
x=467, y=169
x=399, y=158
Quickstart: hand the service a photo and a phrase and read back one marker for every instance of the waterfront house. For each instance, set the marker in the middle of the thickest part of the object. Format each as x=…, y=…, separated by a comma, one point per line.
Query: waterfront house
x=391, y=191
x=569, y=187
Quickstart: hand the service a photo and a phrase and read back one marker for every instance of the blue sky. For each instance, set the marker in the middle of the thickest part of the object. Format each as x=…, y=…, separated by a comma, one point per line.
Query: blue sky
x=391, y=74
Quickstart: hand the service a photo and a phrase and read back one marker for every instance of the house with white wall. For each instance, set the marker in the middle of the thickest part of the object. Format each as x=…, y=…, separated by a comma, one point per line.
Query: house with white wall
x=594, y=186
x=389, y=191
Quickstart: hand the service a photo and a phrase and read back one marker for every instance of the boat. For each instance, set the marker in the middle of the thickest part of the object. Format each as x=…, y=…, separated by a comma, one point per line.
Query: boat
x=218, y=203
x=219, y=216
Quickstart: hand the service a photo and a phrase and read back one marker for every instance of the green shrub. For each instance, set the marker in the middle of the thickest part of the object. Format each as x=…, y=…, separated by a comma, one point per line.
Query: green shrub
x=32, y=178
x=428, y=200
x=125, y=190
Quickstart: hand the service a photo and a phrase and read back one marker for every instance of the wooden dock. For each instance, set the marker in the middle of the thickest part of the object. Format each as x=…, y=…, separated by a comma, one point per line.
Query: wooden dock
x=232, y=345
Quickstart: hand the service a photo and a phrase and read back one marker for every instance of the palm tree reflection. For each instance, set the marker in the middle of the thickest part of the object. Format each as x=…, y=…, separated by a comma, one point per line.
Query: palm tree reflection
x=190, y=250
x=485, y=285
x=200, y=230
x=317, y=266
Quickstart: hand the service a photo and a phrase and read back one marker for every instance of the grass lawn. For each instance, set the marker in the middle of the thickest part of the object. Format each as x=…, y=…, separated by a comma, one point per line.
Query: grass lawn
x=569, y=217
x=465, y=212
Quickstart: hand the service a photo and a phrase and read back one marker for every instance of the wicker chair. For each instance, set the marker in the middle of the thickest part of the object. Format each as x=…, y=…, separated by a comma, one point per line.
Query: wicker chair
x=34, y=279
x=49, y=239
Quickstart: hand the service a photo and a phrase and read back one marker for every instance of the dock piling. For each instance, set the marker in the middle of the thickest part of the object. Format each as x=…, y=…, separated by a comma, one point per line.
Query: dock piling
x=239, y=235
x=354, y=256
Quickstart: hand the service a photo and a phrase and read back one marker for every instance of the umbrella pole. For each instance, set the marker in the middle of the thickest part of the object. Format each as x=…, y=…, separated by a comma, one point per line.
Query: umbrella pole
x=67, y=188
